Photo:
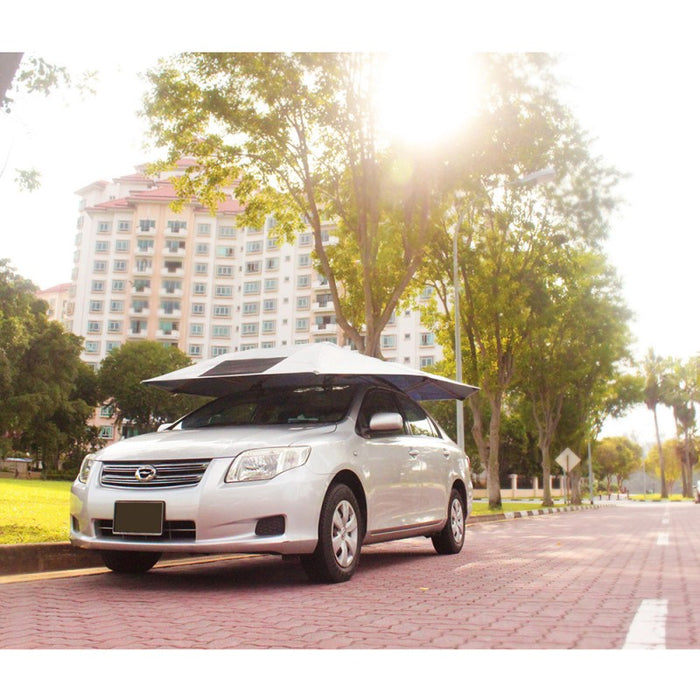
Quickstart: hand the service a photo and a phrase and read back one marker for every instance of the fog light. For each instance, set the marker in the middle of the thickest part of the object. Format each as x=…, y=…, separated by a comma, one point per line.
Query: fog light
x=268, y=527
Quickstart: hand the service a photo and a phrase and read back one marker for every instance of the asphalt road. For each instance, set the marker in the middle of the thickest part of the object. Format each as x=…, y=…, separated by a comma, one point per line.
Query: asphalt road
x=620, y=576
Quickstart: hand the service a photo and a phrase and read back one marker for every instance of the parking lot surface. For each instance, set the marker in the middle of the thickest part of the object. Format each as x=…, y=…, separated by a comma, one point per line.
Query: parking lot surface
x=620, y=576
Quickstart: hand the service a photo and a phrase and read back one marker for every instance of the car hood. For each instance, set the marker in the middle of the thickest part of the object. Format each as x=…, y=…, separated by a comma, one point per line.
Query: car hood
x=209, y=443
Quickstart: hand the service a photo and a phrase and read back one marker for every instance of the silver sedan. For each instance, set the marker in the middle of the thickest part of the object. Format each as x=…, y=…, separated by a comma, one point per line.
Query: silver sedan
x=314, y=471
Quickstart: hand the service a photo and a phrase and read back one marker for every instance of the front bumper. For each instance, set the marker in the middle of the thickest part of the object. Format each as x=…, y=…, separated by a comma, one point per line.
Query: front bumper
x=211, y=517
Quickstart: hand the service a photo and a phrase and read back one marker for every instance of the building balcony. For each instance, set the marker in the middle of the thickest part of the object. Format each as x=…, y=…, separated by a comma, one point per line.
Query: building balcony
x=172, y=272
x=328, y=328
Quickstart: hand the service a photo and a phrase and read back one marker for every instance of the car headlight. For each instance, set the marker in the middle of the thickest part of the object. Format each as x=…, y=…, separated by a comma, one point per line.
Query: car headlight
x=86, y=467
x=266, y=463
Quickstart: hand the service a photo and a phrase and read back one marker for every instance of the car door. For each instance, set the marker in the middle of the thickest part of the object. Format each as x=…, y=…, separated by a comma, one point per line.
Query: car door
x=392, y=483
x=433, y=461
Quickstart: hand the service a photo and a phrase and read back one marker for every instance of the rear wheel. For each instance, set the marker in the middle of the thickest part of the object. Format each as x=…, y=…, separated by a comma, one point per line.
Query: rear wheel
x=450, y=539
x=340, y=531
x=130, y=562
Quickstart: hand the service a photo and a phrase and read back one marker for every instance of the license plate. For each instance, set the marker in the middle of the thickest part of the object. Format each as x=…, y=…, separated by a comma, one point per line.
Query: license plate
x=138, y=517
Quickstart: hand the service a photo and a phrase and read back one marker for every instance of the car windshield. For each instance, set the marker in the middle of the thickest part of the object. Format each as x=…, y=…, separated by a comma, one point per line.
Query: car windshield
x=279, y=406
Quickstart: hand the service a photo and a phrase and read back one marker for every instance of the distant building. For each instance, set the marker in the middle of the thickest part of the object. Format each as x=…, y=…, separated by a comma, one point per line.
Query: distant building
x=201, y=281
x=57, y=298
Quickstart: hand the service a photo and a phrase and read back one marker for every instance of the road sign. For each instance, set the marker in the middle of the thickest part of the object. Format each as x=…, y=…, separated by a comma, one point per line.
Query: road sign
x=567, y=460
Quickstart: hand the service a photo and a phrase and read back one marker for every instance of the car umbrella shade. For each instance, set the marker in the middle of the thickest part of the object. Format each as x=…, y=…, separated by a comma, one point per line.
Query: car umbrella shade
x=303, y=364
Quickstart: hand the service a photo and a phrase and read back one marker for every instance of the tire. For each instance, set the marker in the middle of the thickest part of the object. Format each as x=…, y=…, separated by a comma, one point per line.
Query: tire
x=450, y=539
x=340, y=534
x=130, y=562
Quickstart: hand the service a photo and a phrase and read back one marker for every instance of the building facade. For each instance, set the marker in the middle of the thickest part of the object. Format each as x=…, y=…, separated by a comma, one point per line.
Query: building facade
x=201, y=281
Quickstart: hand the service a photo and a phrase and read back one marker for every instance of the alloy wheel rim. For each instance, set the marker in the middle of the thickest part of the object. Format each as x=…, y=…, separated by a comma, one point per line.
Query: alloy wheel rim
x=457, y=520
x=344, y=534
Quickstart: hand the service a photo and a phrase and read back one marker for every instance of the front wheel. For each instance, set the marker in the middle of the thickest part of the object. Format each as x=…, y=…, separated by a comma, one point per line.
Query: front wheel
x=130, y=562
x=340, y=535
x=450, y=539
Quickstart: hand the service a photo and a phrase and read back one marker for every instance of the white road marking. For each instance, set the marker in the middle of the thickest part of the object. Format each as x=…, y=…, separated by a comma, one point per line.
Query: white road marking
x=648, y=628
x=662, y=539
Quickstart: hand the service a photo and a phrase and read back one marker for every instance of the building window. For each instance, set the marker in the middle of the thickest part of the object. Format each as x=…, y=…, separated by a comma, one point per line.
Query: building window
x=143, y=266
x=112, y=345
x=144, y=245
x=221, y=332
x=114, y=327
x=118, y=285
x=227, y=231
x=98, y=286
x=139, y=305
x=203, y=229
x=253, y=268
x=94, y=327
x=177, y=226
x=96, y=306
x=427, y=362
x=253, y=247
x=170, y=307
x=303, y=281
x=104, y=226
x=195, y=350
x=217, y=350
x=202, y=249
x=304, y=260
x=223, y=251
x=198, y=309
x=92, y=347
x=269, y=326
x=119, y=266
x=251, y=287
x=146, y=225
x=427, y=339
x=201, y=268
x=199, y=288
x=272, y=264
x=106, y=432
x=116, y=306
x=174, y=246
x=271, y=285
x=269, y=305
x=302, y=324
x=141, y=285
x=224, y=291
x=388, y=342
x=249, y=329
x=224, y=271
x=222, y=311
x=302, y=303
x=102, y=246
x=196, y=329
x=251, y=307
x=124, y=226
x=272, y=244
x=99, y=266
x=305, y=239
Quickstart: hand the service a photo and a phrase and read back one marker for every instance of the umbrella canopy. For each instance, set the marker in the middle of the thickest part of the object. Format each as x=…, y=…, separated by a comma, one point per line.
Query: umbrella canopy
x=302, y=364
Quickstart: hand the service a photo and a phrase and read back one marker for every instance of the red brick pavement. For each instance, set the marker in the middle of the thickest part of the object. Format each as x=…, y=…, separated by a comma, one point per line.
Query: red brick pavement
x=563, y=581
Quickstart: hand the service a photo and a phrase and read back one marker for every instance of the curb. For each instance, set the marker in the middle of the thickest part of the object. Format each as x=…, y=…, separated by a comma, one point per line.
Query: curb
x=62, y=556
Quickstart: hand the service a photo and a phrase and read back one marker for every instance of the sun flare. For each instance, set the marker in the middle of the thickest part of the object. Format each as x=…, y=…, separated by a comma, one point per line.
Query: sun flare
x=422, y=98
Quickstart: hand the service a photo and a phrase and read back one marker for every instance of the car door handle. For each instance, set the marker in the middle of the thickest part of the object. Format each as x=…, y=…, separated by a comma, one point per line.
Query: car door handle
x=446, y=454
x=414, y=453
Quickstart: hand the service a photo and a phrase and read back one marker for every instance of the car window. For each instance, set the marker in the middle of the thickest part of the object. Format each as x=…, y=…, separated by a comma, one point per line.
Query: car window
x=376, y=401
x=419, y=422
x=281, y=406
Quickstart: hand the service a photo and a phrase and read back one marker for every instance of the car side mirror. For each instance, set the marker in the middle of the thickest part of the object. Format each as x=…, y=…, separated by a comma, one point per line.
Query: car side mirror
x=386, y=422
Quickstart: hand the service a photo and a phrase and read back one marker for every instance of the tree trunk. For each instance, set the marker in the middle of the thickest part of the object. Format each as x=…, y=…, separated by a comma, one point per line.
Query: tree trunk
x=662, y=471
x=494, y=477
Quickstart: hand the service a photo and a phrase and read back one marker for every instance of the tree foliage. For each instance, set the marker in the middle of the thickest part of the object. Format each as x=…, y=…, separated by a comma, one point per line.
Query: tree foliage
x=143, y=407
x=295, y=135
x=616, y=457
x=47, y=391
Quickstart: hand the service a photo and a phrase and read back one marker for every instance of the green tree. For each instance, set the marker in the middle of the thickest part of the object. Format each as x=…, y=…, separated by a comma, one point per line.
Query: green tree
x=508, y=235
x=616, y=457
x=655, y=370
x=47, y=391
x=294, y=135
x=668, y=467
x=143, y=407
x=681, y=390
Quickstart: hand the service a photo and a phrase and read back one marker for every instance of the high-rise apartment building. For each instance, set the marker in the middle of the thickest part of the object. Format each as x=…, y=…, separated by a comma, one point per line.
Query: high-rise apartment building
x=201, y=281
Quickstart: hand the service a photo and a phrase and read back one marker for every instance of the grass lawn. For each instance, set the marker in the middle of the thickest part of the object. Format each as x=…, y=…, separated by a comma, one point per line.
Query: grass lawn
x=37, y=511
x=34, y=511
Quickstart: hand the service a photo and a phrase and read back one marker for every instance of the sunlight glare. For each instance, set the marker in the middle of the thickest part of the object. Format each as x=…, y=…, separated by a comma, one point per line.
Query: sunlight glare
x=424, y=97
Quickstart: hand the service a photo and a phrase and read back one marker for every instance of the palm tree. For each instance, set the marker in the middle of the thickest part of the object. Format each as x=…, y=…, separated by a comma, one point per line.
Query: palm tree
x=655, y=368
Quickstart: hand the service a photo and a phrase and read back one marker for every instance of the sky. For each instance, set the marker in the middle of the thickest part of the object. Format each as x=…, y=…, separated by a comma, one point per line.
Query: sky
x=630, y=68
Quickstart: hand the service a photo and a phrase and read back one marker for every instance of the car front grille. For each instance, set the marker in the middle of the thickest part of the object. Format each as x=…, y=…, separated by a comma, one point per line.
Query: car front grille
x=172, y=530
x=153, y=474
